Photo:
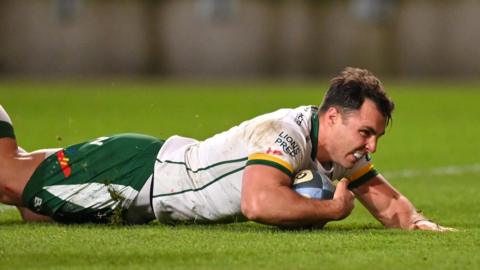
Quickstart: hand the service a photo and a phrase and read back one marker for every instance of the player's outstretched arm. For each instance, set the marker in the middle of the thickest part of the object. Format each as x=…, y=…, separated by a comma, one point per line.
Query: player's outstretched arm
x=267, y=198
x=391, y=208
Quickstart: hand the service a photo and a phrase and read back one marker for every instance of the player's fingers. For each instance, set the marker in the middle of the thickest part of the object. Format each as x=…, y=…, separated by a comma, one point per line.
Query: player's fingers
x=343, y=197
x=342, y=188
x=448, y=229
x=342, y=184
x=427, y=225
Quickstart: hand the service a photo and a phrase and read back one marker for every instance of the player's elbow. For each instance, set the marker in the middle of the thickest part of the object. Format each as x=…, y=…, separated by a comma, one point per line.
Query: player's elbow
x=249, y=210
x=252, y=209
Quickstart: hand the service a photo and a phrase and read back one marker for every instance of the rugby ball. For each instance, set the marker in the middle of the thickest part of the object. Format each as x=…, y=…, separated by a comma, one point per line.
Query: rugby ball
x=314, y=185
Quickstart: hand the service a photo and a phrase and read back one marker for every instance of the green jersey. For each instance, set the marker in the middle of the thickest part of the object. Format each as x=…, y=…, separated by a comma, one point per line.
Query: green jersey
x=86, y=182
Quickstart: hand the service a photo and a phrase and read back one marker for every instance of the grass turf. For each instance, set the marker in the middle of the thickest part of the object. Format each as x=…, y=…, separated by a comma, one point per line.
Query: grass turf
x=435, y=125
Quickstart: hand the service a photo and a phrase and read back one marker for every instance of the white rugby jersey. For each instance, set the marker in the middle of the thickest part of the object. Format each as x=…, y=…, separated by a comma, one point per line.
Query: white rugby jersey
x=201, y=181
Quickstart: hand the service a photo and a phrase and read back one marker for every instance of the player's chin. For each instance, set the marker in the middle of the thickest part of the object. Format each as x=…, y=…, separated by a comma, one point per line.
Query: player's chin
x=349, y=161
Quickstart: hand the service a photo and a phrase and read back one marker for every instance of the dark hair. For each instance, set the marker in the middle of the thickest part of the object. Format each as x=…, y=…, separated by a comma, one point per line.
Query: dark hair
x=351, y=87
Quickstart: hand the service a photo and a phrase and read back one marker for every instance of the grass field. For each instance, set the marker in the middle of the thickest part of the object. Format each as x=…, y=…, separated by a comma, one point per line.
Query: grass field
x=430, y=153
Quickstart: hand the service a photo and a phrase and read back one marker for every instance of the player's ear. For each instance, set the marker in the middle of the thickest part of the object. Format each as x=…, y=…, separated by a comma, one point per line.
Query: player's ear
x=332, y=115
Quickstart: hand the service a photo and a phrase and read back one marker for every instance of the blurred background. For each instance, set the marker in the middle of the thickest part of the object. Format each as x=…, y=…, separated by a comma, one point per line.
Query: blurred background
x=239, y=38
x=72, y=70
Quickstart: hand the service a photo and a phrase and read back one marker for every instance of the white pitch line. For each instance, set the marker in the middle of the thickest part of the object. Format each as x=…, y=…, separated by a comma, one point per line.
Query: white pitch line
x=4, y=207
x=448, y=170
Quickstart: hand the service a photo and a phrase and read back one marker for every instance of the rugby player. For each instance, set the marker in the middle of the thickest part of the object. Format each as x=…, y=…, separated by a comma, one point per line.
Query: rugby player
x=244, y=173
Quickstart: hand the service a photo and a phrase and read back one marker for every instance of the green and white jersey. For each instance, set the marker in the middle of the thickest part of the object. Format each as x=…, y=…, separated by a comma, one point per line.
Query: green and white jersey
x=201, y=181
x=86, y=182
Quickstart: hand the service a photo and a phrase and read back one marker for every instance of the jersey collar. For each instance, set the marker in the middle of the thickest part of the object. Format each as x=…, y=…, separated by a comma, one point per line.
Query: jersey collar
x=314, y=132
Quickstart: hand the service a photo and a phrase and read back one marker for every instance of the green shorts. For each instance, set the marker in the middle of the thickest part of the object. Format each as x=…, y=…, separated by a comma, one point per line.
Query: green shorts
x=89, y=182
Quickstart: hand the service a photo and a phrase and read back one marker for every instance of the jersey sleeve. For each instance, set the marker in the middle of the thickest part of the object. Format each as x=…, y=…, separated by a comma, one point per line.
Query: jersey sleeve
x=6, y=130
x=360, y=173
x=6, y=127
x=277, y=144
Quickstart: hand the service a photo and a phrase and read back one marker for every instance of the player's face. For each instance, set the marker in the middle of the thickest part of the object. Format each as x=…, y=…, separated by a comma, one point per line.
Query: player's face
x=357, y=134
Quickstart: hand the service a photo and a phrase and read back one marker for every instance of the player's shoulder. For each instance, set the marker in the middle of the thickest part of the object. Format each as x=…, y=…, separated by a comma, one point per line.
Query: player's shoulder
x=297, y=115
x=281, y=138
x=283, y=124
x=298, y=118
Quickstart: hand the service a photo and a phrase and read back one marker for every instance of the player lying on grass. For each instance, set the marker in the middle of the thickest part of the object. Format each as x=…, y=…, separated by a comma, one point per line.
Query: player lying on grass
x=244, y=173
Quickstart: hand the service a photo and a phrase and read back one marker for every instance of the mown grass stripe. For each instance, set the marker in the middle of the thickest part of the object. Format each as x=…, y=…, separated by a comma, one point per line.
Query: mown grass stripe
x=437, y=171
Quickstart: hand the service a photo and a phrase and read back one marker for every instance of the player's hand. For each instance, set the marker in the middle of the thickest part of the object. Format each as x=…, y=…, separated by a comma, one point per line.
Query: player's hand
x=344, y=199
x=428, y=225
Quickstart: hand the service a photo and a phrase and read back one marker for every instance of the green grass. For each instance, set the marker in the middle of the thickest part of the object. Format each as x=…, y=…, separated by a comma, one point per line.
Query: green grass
x=435, y=125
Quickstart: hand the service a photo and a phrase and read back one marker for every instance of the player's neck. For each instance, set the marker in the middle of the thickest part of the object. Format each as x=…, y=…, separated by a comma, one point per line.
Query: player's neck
x=322, y=156
x=322, y=149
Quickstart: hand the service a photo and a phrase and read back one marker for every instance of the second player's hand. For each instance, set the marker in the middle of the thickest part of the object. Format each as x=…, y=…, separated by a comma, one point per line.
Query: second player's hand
x=427, y=225
x=343, y=197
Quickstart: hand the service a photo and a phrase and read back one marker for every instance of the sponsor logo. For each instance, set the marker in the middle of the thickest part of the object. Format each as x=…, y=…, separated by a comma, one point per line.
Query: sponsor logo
x=299, y=119
x=63, y=161
x=302, y=177
x=101, y=215
x=288, y=144
x=37, y=202
x=99, y=141
x=276, y=152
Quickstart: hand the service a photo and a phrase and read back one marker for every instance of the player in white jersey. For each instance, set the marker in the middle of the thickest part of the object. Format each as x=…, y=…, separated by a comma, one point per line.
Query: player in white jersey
x=202, y=181
x=244, y=173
